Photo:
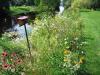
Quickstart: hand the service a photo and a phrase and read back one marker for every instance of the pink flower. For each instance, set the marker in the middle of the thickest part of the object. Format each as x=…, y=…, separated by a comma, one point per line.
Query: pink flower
x=4, y=54
x=5, y=66
x=18, y=61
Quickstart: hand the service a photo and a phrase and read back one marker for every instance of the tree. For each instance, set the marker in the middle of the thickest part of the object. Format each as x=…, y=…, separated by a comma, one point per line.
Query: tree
x=90, y=4
x=51, y=4
x=5, y=17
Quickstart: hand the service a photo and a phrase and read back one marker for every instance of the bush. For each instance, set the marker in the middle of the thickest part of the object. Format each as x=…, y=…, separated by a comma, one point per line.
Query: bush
x=91, y=4
x=48, y=39
x=57, y=44
x=12, y=55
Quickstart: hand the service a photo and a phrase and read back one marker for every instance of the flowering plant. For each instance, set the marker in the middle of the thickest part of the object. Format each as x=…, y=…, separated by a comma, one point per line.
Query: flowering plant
x=11, y=63
x=74, y=56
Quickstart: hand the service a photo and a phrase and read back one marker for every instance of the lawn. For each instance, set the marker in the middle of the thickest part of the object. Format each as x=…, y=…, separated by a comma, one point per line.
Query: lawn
x=15, y=10
x=92, y=32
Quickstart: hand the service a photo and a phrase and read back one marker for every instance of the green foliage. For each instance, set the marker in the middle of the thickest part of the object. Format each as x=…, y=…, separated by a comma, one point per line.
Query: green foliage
x=10, y=57
x=16, y=10
x=93, y=4
x=48, y=39
x=7, y=42
x=22, y=2
x=11, y=63
x=10, y=45
x=49, y=5
x=4, y=0
x=36, y=2
x=57, y=42
x=67, y=3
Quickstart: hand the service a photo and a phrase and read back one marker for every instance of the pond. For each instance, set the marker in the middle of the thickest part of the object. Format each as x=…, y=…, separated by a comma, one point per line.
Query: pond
x=21, y=30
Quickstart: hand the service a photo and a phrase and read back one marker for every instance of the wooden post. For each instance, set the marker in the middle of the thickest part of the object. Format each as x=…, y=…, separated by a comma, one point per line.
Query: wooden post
x=22, y=21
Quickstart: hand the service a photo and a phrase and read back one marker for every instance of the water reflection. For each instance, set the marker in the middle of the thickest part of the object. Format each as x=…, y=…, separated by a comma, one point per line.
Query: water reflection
x=21, y=30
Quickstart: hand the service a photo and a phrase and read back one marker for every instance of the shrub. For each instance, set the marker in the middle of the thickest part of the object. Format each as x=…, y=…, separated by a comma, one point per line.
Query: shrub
x=12, y=55
x=91, y=4
x=48, y=39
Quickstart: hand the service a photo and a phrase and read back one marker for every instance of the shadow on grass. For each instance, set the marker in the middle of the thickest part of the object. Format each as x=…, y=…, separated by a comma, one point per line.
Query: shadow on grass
x=83, y=72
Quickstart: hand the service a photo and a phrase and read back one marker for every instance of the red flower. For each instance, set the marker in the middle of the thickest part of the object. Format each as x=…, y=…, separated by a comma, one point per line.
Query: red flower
x=4, y=54
x=18, y=61
x=5, y=66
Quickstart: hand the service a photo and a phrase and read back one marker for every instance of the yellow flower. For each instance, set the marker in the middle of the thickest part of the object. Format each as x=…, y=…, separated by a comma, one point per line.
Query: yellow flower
x=65, y=59
x=67, y=52
x=75, y=62
x=81, y=61
x=82, y=58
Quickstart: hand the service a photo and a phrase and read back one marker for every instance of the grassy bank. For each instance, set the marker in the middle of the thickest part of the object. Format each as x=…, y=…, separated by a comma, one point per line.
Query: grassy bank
x=92, y=30
x=15, y=10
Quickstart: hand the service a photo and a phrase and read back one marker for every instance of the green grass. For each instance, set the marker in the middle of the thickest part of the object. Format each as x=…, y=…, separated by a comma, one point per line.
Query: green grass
x=15, y=10
x=92, y=30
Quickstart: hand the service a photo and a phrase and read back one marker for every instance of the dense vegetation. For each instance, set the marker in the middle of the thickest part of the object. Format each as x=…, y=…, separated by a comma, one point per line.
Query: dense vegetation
x=61, y=44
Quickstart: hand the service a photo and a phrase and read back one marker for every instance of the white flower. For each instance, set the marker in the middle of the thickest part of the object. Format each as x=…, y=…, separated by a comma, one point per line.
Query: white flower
x=66, y=42
x=22, y=73
x=76, y=38
x=13, y=70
